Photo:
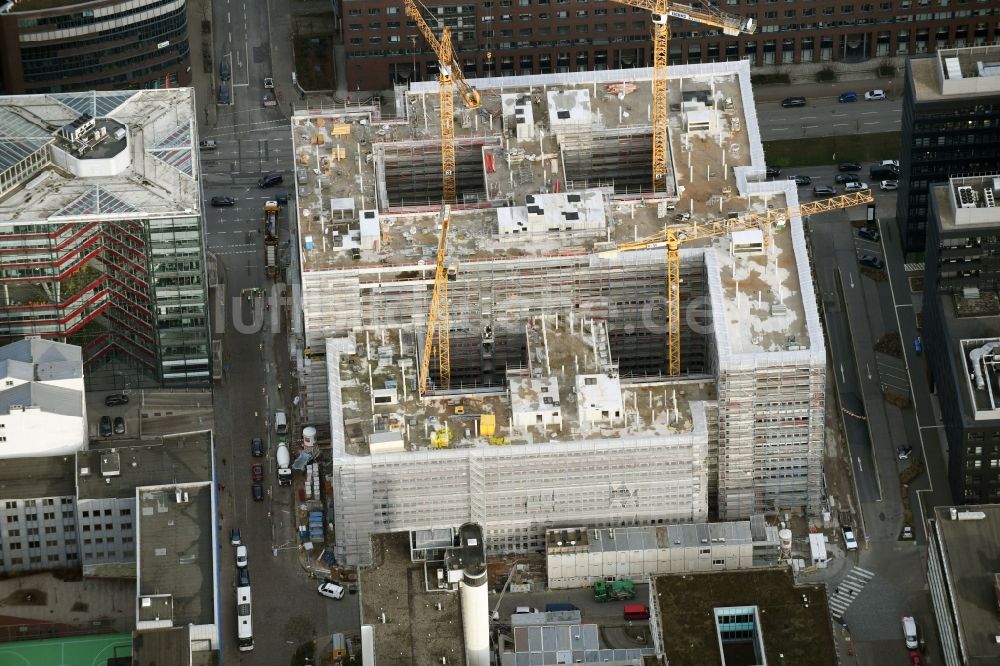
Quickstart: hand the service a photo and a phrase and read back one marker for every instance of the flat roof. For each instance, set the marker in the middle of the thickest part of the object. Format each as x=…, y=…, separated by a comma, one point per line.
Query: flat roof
x=29, y=478
x=551, y=389
x=650, y=537
x=968, y=203
x=116, y=471
x=687, y=601
x=156, y=647
x=355, y=156
x=971, y=551
x=176, y=554
x=152, y=173
x=955, y=73
x=415, y=631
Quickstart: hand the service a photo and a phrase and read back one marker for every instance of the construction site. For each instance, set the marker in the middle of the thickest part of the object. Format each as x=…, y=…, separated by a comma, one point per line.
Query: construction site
x=610, y=321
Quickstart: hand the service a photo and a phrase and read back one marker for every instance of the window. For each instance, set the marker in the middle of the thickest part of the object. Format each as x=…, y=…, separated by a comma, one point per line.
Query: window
x=13, y=533
x=718, y=563
x=373, y=11
x=12, y=519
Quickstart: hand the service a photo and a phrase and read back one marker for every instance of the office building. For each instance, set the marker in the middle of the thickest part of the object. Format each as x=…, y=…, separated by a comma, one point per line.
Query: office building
x=951, y=111
x=43, y=407
x=101, y=233
x=559, y=411
x=961, y=329
x=98, y=45
x=519, y=37
x=963, y=561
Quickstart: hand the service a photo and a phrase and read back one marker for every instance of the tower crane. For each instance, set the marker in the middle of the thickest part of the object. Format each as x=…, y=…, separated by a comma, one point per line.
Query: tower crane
x=437, y=316
x=662, y=11
x=449, y=76
x=672, y=237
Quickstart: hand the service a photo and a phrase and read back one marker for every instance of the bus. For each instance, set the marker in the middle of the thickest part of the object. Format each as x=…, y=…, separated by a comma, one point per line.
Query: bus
x=244, y=622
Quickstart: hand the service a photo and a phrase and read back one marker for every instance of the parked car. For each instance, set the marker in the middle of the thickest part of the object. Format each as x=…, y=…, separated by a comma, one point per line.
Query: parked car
x=331, y=590
x=888, y=185
x=871, y=261
x=268, y=82
x=855, y=186
x=105, y=428
x=868, y=234
x=257, y=472
x=824, y=191
x=850, y=543
x=241, y=556
x=116, y=399
x=848, y=97
x=242, y=576
x=257, y=447
x=524, y=609
x=773, y=172
x=890, y=163
x=907, y=532
x=269, y=179
x=844, y=178
x=119, y=425
x=790, y=102
x=257, y=491
x=848, y=166
x=801, y=180
x=915, y=658
x=875, y=94
x=223, y=201
x=918, y=344
x=234, y=536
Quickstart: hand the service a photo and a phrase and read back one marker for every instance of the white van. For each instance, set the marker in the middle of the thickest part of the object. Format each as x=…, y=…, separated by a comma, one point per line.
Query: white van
x=280, y=422
x=910, y=632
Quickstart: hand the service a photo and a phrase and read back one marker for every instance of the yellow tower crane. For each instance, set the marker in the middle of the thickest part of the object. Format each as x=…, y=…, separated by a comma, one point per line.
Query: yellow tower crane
x=449, y=76
x=437, y=316
x=662, y=11
x=672, y=237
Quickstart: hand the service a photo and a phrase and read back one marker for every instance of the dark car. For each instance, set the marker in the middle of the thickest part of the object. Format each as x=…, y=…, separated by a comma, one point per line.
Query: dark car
x=824, y=191
x=116, y=399
x=848, y=97
x=242, y=576
x=849, y=166
x=773, y=172
x=871, y=261
x=868, y=233
x=105, y=428
x=257, y=447
x=843, y=178
x=790, y=102
x=119, y=425
x=257, y=491
x=257, y=472
x=801, y=180
x=269, y=179
x=223, y=201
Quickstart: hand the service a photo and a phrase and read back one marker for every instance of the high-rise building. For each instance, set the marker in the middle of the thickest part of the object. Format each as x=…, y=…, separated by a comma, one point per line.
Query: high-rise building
x=101, y=234
x=516, y=37
x=98, y=45
x=961, y=330
x=951, y=127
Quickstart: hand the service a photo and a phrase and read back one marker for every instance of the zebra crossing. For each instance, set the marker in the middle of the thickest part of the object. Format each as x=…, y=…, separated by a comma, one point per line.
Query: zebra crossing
x=847, y=590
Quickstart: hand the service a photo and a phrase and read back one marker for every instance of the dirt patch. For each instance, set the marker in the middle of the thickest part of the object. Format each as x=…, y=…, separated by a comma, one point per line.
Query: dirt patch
x=916, y=283
x=985, y=306
x=25, y=598
x=897, y=399
x=314, y=61
x=875, y=274
x=80, y=607
x=890, y=344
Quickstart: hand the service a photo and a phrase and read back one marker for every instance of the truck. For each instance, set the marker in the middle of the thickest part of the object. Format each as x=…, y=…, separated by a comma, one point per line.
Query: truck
x=613, y=590
x=636, y=612
x=284, y=459
x=271, y=261
x=271, y=209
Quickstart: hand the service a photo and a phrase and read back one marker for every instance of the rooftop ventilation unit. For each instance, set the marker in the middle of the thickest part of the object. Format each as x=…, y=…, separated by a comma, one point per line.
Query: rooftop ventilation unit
x=952, y=68
x=966, y=196
x=988, y=68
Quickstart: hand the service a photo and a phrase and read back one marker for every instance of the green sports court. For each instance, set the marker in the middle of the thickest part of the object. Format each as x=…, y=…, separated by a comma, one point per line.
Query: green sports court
x=76, y=651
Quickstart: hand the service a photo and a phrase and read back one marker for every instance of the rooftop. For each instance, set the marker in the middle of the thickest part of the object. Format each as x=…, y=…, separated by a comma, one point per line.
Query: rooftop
x=49, y=360
x=548, y=163
x=971, y=552
x=415, y=631
x=565, y=389
x=117, y=471
x=175, y=555
x=72, y=165
x=18, y=6
x=950, y=73
x=30, y=478
x=967, y=203
x=647, y=538
x=687, y=602
x=155, y=647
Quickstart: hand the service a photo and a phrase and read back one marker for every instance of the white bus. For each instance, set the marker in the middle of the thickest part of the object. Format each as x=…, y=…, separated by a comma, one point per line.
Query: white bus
x=244, y=622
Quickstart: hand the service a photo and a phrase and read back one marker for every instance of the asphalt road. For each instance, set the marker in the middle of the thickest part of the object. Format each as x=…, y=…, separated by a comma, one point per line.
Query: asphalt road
x=253, y=140
x=824, y=116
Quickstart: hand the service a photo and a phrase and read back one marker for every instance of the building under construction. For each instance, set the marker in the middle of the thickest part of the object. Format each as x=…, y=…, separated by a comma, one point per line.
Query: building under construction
x=555, y=404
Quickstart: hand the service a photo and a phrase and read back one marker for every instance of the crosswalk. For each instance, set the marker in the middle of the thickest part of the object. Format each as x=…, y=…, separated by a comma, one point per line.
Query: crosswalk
x=847, y=590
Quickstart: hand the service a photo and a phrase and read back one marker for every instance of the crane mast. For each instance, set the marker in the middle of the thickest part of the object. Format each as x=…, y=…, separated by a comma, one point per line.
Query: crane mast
x=672, y=237
x=449, y=76
x=437, y=316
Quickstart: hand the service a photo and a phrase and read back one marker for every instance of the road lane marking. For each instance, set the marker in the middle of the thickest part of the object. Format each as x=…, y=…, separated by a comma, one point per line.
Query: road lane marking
x=871, y=123
x=840, y=125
